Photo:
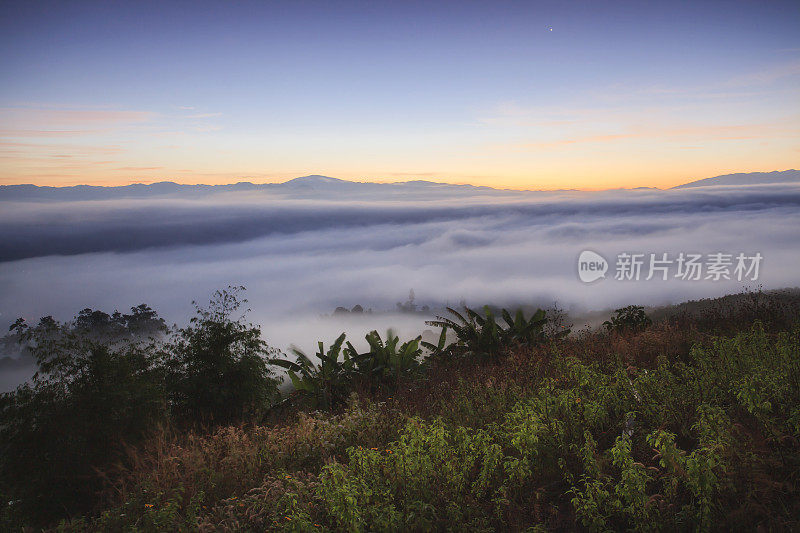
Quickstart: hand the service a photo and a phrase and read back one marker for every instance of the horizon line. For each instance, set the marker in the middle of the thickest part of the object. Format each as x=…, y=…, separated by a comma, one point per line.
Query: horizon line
x=463, y=184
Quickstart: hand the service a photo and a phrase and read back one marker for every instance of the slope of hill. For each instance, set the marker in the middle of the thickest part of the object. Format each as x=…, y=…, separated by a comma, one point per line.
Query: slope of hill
x=750, y=178
x=686, y=423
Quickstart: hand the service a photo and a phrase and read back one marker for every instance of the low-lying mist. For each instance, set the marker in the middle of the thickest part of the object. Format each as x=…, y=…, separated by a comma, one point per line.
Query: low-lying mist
x=301, y=258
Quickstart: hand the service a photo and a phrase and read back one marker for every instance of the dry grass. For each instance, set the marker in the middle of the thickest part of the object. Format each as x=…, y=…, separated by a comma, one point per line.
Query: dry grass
x=260, y=477
x=232, y=460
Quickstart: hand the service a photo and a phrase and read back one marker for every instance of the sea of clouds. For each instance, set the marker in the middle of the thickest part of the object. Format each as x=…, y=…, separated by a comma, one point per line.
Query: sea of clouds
x=300, y=256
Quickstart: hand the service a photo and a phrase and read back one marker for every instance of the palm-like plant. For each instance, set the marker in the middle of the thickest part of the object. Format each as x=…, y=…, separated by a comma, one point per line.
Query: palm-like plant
x=527, y=332
x=440, y=346
x=385, y=361
x=482, y=335
x=327, y=382
x=476, y=335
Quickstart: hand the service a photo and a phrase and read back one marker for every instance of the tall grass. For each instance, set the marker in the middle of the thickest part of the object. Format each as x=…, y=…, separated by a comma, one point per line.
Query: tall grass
x=674, y=427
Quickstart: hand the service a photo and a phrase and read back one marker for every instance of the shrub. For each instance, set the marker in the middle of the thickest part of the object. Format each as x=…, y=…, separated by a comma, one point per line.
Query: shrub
x=217, y=371
x=428, y=479
x=628, y=319
x=237, y=477
x=90, y=395
x=632, y=431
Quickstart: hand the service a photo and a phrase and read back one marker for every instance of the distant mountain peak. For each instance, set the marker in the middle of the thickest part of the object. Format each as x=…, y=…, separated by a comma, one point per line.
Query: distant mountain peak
x=314, y=179
x=746, y=178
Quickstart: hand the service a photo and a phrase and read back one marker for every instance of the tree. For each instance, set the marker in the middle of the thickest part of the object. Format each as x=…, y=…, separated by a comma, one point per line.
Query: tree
x=628, y=319
x=217, y=370
x=88, y=397
x=409, y=306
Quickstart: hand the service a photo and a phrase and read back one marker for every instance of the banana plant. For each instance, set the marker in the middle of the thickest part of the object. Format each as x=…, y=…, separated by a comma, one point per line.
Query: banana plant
x=476, y=335
x=385, y=361
x=481, y=335
x=325, y=383
x=439, y=347
x=523, y=331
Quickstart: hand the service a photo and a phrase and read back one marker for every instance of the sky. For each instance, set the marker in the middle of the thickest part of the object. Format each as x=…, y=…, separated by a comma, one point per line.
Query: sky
x=526, y=95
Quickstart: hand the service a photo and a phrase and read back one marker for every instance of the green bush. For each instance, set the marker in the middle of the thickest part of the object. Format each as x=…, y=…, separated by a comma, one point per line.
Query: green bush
x=91, y=394
x=428, y=479
x=217, y=367
x=104, y=382
x=628, y=319
x=565, y=436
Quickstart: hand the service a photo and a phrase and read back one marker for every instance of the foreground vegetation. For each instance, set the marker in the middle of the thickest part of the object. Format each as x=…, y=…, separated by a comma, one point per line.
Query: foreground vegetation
x=688, y=422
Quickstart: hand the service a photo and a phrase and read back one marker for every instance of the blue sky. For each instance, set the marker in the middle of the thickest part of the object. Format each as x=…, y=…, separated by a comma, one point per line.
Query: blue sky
x=516, y=94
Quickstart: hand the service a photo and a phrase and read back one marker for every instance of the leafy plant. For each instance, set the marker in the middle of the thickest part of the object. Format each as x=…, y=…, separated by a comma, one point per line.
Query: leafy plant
x=425, y=481
x=439, y=347
x=631, y=318
x=385, y=362
x=483, y=336
x=217, y=370
x=562, y=442
x=326, y=383
x=525, y=332
x=476, y=335
x=329, y=382
x=88, y=395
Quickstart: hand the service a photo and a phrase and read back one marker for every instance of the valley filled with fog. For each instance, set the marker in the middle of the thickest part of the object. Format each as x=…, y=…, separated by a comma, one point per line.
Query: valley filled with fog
x=304, y=249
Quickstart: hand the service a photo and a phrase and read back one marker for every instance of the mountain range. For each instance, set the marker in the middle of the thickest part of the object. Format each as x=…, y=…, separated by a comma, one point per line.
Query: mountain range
x=750, y=178
x=324, y=186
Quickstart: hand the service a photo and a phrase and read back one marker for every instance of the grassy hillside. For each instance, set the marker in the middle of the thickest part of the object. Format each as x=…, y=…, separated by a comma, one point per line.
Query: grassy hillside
x=690, y=423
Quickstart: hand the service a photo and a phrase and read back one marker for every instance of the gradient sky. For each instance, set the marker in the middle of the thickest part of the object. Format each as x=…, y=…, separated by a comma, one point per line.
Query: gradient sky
x=508, y=94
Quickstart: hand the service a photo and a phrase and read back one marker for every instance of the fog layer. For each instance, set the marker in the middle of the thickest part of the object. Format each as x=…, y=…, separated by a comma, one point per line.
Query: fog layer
x=302, y=255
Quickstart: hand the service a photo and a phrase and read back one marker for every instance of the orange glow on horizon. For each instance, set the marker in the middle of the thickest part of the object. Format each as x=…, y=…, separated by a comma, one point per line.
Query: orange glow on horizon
x=583, y=183
x=597, y=151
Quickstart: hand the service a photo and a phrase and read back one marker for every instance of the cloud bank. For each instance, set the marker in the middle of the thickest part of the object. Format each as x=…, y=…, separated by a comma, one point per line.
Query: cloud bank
x=302, y=256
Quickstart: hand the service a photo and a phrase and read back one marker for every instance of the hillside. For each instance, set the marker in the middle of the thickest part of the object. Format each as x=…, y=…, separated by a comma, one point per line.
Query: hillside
x=661, y=426
x=752, y=178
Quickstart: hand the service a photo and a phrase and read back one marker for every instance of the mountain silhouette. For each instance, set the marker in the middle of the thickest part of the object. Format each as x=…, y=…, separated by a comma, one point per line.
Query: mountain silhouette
x=750, y=178
x=318, y=186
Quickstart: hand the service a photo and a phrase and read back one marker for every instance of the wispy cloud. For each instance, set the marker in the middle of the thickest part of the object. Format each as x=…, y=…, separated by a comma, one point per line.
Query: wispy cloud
x=20, y=133
x=207, y=128
x=73, y=149
x=40, y=118
x=624, y=101
x=41, y=142
x=46, y=122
